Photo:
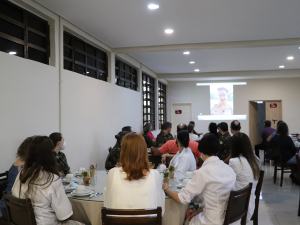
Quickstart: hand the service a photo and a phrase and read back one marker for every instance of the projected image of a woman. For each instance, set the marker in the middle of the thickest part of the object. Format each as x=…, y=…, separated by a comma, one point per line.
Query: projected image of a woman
x=222, y=108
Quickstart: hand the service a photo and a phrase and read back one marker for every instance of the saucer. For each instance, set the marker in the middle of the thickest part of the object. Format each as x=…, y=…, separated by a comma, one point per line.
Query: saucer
x=87, y=193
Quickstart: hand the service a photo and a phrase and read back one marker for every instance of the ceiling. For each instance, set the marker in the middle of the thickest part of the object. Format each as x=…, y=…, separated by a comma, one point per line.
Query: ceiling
x=129, y=23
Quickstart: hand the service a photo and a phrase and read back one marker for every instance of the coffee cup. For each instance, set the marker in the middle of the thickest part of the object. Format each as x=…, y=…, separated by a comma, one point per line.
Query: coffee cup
x=80, y=189
x=184, y=181
x=162, y=167
x=69, y=177
x=189, y=174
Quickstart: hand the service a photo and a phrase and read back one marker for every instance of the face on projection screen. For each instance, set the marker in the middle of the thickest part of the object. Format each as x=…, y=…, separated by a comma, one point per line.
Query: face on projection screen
x=221, y=102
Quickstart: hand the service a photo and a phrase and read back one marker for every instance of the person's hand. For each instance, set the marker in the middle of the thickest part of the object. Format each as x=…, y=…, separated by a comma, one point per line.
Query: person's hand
x=163, y=159
x=191, y=213
x=165, y=185
x=153, y=140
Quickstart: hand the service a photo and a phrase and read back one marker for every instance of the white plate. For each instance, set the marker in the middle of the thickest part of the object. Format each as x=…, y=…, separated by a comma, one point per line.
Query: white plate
x=87, y=193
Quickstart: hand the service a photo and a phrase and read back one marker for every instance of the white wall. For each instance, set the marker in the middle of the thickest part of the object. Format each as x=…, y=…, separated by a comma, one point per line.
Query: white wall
x=286, y=90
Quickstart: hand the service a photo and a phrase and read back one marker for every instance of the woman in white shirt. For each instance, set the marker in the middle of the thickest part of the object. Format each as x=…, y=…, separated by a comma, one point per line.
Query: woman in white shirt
x=193, y=136
x=211, y=184
x=40, y=182
x=134, y=185
x=184, y=159
x=245, y=165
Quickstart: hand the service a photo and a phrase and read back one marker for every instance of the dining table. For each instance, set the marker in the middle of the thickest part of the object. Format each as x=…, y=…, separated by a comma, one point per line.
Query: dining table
x=88, y=210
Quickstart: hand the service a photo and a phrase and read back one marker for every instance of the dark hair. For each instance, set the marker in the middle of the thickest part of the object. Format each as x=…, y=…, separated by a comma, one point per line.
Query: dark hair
x=120, y=136
x=55, y=137
x=209, y=145
x=181, y=126
x=241, y=145
x=40, y=158
x=23, y=148
x=190, y=128
x=234, y=126
x=223, y=126
x=184, y=138
x=127, y=128
x=166, y=125
x=283, y=129
x=267, y=123
x=192, y=122
x=146, y=128
x=279, y=122
x=213, y=129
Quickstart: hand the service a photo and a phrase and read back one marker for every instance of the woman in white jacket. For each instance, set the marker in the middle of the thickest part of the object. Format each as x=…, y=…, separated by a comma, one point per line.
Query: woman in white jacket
x=245, y=165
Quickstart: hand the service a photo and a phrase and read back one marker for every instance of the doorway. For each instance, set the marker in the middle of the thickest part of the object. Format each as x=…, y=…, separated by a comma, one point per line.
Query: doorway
x=181, y=113
x=259, y=112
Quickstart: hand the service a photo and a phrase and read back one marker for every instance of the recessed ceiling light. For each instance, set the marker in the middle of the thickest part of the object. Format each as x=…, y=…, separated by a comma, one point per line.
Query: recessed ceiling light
x=299, y=47
x=186, y=53
x=196, y=70
x=192, y=62
x=12, y=53
x=169, y=31
x=281, y=66
x=290, y=58
x=153, y=6
x=259, y=102
x=87, y=72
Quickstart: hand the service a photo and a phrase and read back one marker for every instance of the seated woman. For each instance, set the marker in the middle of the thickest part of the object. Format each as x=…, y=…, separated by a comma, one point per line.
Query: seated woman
x=134, y=185
x=148, y=136
x=184, y=159
x=211, y=184
x=193, y=136
x=213, y=129
x=14, y=170
x=246, y=166
x=61, y=159
x=39, y=181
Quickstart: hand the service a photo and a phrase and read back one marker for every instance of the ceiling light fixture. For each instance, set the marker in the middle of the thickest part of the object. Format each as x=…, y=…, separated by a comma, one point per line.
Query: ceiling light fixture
x=186, y=53
x=153, y=6
x=192, y=62
x=259, y=102
x=281, y=66
x=169, y=31
x=196, y=70
x=12, y=53
x=290, y=58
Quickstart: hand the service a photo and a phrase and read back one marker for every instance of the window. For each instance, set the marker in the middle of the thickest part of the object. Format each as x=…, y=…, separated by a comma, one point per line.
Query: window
x=162, y=106
x=149, y=103
x=84, y=58
x=23, y=34
x=126, y=75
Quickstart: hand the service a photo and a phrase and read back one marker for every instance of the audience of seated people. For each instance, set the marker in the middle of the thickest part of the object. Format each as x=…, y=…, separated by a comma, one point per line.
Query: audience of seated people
x=193, y=136
x=165, y=134
x=40, y=181
x=134, y=185
x=246, y=166
x=211, y=184
x=266, y=132
x=148, y=136
x=225, y=142
x=114, y=155
x=184, y=159
x=61, y=159
x=14, y=170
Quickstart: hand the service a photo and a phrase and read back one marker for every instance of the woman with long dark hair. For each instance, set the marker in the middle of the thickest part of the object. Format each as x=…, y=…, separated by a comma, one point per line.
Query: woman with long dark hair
x=40, y=182
x=245, y=165
x=148, y=136
x=213, y=129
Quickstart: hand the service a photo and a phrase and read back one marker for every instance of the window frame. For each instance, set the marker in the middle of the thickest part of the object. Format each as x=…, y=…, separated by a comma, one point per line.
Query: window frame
x=162, y=94
x=147, y=91
x=133, y=73
x=86, y=55
x=24, y=42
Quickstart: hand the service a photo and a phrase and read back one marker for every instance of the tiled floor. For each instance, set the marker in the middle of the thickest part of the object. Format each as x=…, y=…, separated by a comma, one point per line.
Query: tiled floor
x=279, y=205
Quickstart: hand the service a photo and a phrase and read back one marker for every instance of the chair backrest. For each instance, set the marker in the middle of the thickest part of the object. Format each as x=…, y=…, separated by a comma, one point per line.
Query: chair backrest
x=258, y=189
x=19, y=211
x=238, y=204
x=139, y=216
x=3, y=182
x=277, y=153
x=298, y=164
x=295, y=137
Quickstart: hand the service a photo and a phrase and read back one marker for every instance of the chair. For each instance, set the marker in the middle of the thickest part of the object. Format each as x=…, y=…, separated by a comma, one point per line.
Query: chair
x=3, y=182
x=19, y=211
x=266, y=147
x=257, y=194
x=110, y=216
x=298, y=167
x=237, y=206
x=284, y=167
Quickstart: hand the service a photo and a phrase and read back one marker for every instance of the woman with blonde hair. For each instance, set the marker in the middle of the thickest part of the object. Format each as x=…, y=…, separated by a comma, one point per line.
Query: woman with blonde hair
x=134, y=185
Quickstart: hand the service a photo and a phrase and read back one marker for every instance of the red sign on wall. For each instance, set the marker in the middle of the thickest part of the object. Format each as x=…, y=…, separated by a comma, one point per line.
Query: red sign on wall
x=178, y=111
x=273, y=105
